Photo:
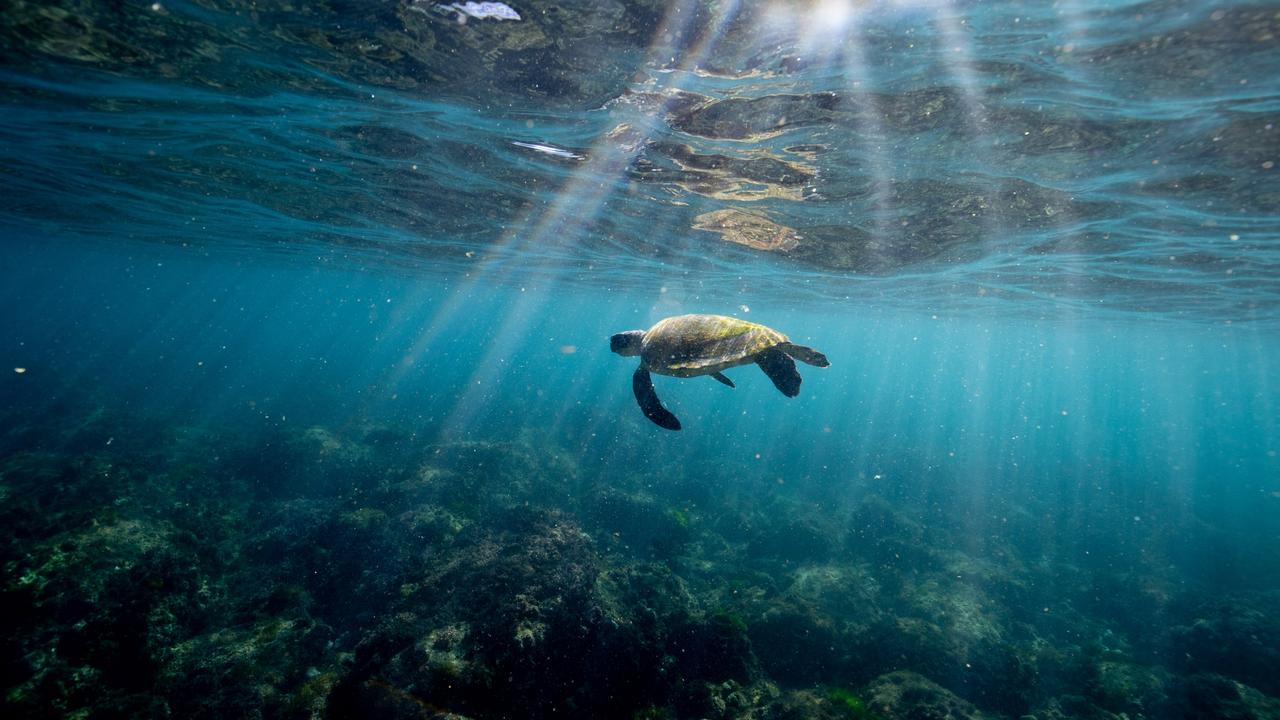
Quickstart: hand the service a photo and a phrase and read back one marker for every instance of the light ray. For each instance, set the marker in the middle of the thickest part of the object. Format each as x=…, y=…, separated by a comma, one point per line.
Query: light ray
x=872, y=135
x=570, y=214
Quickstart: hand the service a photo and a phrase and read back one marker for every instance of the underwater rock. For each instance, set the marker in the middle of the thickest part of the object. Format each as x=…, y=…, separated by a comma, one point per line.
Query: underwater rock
x=314, y=462
x=839, y=590
x=270, y=667
x=750, y=229
x=847, y=247
x=527, y=594
x=939, y=222
x=102, y=605
x=731, y=699
x=1222, y=698
x=1183, y=60
x=1239, y=639
x=797, y=645
x=812, y=705
x=379, y=700
x=739, y=118
x=755, y=118
x=639, y=522
x=942, y=613
x=499, y=476
x=720, y=176
x=714, y=649
x=1072, y=707
x=881, y=533
x=792, y=537
x=485, y=579
x=1128, y=689
x=1059, y=134
x=906, y=695
x=946, y=630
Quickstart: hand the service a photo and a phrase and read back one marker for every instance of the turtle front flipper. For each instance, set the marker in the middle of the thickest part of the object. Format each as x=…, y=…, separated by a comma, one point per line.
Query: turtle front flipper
x=805, y=354
x=781, y=369
x=723, y=378
x=650, y=405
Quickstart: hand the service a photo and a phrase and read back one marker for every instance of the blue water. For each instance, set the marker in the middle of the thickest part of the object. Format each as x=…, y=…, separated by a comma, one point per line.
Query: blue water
x=307, y=407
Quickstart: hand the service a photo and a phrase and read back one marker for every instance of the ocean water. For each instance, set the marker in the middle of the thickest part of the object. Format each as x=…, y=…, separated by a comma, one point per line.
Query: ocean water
x=307, y=407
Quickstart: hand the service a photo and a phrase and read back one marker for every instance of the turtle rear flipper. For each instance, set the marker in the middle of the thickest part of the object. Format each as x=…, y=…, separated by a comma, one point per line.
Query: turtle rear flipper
x=805, y=354
x=650, y=405
x=781, y=369
x=723, y=378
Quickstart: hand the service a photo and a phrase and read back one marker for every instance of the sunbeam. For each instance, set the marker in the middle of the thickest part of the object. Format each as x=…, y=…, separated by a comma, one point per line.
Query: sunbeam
x=574, y=208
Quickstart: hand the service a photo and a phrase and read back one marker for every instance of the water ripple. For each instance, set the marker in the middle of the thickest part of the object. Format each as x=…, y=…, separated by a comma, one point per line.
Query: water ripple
x=1029, y=159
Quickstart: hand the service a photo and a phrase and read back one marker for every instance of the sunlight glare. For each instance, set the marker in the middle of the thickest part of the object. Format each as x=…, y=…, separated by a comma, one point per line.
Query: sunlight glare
x=832, y=15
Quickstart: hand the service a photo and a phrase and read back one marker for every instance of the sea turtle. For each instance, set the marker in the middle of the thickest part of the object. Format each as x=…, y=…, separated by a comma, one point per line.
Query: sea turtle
x=692, y=345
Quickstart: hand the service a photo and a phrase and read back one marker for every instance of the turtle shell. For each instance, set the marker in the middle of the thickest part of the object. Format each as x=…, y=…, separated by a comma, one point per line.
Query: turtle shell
x=688, y=345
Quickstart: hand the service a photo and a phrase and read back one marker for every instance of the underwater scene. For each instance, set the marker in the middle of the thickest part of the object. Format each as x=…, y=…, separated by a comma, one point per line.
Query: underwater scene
x=643, y=359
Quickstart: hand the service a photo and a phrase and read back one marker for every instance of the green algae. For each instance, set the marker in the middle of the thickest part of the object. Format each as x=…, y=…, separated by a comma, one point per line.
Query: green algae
x=850, y=705
x=730, y=620
x=680, y=517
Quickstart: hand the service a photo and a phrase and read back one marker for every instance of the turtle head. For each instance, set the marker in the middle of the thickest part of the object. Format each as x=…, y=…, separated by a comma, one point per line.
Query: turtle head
x=627, y=343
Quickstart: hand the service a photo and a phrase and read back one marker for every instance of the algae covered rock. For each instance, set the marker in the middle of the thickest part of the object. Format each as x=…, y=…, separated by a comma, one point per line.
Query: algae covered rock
x=905, y=696
x=356, y=571
x=1216, y=696
x=1234, y=638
